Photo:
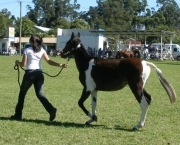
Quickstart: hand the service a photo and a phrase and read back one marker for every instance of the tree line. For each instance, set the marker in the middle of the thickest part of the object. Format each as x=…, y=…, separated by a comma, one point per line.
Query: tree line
x=107, y=15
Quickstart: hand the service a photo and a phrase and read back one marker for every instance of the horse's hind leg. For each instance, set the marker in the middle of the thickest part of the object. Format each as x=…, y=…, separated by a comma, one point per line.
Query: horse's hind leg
x=94, y=104
x=144, y=100
x=144, y=104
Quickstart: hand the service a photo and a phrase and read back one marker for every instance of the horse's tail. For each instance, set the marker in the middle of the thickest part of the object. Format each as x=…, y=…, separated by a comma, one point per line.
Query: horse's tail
x=169, y=89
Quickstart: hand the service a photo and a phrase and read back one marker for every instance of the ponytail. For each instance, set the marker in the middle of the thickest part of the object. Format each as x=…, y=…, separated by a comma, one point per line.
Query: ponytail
x=36, y=42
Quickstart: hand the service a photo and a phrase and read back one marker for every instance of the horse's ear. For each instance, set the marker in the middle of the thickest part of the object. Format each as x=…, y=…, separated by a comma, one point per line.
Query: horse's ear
x=78, y=35
x=72, y=35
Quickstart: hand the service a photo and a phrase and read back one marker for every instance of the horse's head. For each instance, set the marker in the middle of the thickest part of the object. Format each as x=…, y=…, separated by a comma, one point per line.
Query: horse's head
x=71, y=45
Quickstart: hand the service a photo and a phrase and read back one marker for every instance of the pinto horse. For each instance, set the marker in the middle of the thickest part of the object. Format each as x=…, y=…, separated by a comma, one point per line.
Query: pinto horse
x=98, y=74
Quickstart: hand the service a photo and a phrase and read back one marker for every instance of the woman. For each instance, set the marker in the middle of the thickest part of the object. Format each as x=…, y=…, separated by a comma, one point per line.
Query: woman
x=33, y=75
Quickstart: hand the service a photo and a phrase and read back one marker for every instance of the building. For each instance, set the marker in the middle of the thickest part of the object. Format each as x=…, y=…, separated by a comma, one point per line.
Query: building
x=13, y=43
x=91, y=41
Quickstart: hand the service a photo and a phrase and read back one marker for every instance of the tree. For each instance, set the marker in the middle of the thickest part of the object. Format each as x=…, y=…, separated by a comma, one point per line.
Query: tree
x=6, y=22
x=32, y=14
x=136, y=9
x=153, y=22
x=171, y=12
x=92, y=18
x=60, y=23
x=176, y=39
x=79, y=24
x=48, y=12
x=116, y=14
x=27, y=27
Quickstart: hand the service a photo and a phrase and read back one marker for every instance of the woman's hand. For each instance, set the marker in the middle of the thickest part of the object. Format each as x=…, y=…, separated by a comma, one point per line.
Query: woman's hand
x=17, y=62
x=63, y=65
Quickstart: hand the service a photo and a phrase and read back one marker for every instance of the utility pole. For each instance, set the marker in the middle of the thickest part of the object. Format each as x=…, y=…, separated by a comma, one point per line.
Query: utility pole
x=20, y=27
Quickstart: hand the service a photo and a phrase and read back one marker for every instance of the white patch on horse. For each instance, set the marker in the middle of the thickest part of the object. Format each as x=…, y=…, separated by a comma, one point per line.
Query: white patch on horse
x=146, y=72
x=144, y=104
x=144, y=108
x=90, y=84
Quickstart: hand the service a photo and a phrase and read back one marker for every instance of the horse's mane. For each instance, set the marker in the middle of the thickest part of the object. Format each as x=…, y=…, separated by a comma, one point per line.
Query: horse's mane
x=84, y=51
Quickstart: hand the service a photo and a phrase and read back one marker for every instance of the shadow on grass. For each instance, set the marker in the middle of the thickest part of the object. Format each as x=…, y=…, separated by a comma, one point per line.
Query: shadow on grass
x=117, y=127
x=69, y=124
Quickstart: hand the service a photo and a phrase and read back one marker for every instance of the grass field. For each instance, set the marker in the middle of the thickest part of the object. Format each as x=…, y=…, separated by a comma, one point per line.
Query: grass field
x=117, y=111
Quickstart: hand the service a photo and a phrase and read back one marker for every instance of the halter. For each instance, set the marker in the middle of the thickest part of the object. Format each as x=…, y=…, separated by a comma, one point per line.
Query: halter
x=16, y=67
x=79, y=45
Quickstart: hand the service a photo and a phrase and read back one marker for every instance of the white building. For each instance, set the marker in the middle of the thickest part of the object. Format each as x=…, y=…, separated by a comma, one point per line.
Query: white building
x=13, y=43
x=88, y=39
x=5, y=43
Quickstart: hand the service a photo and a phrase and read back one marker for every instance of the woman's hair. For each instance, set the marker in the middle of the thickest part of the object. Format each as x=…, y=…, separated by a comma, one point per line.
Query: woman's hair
x=36, y=42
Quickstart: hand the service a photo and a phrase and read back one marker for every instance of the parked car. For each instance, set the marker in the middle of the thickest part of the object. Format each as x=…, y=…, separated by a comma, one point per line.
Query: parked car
x=175, y=50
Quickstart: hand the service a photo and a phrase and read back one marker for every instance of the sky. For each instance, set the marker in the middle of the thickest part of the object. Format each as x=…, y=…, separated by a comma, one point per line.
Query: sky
x=14, y=5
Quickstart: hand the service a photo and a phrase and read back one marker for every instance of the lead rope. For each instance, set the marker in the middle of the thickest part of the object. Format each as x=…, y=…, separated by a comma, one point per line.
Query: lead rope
x=59, y=71
x=16, y=67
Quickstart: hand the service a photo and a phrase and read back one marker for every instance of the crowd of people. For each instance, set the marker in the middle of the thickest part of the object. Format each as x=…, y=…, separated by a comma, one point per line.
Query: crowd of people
x=107, y=53
x=147, y=52
x=56, y=52
x=103, y=53
x=150, y=52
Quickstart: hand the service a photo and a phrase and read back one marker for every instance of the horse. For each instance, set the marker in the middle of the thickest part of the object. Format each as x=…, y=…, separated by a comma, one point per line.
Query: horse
x=125, y=53
x=99, y=74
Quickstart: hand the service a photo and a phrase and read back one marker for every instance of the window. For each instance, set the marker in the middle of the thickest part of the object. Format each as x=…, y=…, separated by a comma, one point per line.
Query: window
x=175, y=49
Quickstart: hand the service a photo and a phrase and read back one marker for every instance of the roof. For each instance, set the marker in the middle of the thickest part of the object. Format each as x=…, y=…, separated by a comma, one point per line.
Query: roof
x=135, y=32
x=26, y=39
x=44, y=29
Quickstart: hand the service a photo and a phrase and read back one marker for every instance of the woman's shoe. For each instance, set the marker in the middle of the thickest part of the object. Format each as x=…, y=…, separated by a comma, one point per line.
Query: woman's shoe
x=52, y=114
x=15, y=117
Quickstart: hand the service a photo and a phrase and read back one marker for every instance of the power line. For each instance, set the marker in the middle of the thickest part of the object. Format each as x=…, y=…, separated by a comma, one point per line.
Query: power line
x=13, y=6
x=16, y=7
x=4, y=3
x=9, y=4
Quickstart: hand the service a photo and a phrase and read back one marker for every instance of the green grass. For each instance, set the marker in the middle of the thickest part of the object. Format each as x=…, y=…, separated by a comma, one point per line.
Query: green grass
x=117, y=111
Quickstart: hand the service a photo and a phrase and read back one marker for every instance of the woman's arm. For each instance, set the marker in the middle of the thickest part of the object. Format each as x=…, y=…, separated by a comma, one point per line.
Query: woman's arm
x=23, y=62
x=50, y=62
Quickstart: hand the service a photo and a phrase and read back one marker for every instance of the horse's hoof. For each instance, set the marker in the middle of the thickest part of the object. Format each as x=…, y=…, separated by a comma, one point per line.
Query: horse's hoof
x=94, y=117
x=135, y=128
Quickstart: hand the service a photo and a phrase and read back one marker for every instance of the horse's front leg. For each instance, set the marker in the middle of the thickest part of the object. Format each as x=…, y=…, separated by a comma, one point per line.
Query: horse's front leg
x=84, y=96
x=93, y=104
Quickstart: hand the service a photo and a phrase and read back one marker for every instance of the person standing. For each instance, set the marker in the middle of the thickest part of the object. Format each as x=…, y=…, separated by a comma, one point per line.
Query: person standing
x=34, y=76
x=100, y=52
